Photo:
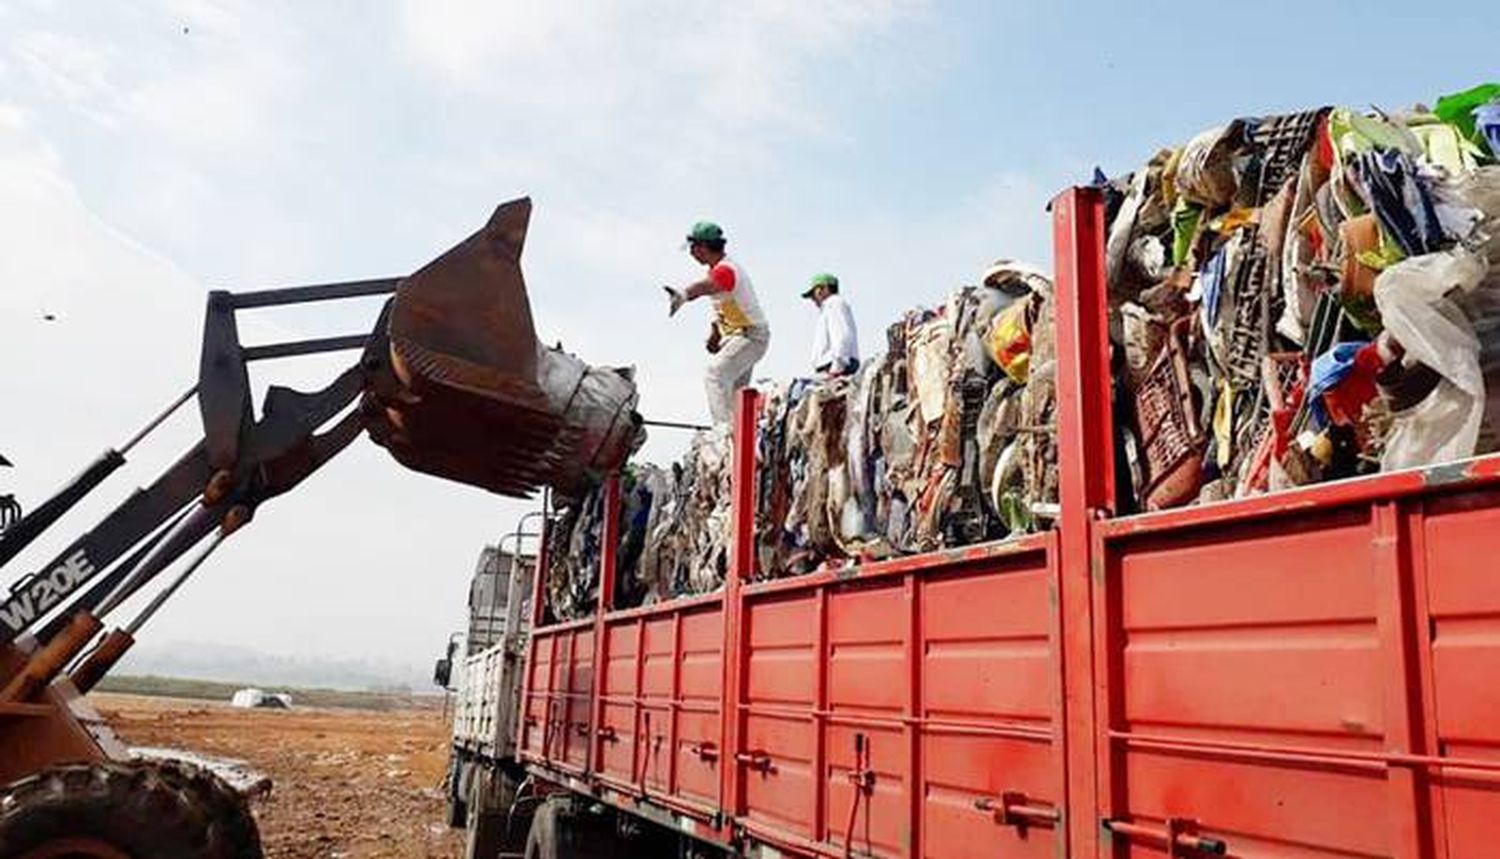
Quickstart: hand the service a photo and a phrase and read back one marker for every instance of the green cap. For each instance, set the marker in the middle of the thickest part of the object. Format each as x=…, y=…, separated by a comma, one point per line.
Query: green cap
x=818, y=280
x=705, y=231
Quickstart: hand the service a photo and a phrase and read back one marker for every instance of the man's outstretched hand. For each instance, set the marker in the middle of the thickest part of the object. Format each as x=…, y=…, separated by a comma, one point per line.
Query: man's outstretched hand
x=675, y=300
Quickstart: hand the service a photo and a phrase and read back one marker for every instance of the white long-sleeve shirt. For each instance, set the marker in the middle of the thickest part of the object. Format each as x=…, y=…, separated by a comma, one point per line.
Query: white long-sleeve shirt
x=835, y=340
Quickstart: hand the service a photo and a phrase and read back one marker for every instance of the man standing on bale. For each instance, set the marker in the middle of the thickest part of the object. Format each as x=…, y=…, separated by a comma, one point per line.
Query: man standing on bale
x=836, y=342
x=739, y=336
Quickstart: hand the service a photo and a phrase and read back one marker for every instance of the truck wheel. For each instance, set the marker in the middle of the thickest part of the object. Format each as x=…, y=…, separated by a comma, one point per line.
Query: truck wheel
x=458, y=810
x=125, y=811
x=557, y=832
x=490, y=797
x=543, y=841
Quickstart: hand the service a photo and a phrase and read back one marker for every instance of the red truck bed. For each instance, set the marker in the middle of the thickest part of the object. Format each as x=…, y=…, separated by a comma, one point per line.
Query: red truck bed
x=1307, y=674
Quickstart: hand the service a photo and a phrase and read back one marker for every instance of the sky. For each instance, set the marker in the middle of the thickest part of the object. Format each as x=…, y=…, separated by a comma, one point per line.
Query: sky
x=152, y=151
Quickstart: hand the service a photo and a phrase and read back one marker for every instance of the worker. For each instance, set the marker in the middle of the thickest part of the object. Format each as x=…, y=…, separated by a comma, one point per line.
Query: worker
x=836, y=342
x=739, y=335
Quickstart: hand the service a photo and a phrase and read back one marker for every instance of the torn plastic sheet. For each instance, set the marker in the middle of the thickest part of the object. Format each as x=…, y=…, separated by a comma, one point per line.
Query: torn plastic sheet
x=1205, y=174
x=598, y=404
x=1459, y=108
x=1416, y=303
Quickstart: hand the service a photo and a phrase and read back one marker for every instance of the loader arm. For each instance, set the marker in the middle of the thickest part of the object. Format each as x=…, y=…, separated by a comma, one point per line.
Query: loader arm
x=256, y=460
x=448, y=381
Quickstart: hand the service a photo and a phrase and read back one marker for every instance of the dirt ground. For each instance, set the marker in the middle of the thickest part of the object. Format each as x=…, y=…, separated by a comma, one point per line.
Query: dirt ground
x=347, y=784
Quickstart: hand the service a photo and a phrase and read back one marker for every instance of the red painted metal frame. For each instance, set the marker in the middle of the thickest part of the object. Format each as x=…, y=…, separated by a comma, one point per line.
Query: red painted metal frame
x=1394, y=486
x=538, y=614
x=741, y=570
x=634, y=782
x=1085, y=455
x=1374, y=709
x=608, y=560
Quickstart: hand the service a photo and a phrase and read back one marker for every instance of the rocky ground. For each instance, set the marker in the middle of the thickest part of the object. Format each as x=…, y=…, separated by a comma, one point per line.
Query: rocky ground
x=346, y=784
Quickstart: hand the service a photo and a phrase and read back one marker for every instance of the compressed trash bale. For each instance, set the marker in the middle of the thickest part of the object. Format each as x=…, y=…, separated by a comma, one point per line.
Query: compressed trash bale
x=1281, y=232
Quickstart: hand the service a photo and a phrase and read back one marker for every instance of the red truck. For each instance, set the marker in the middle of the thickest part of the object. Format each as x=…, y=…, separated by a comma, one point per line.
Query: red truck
x=1311, y=673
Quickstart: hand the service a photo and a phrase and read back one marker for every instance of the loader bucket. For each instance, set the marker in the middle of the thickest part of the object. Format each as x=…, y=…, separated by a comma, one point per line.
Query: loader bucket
x=463, y=322
x=459, y=396
x=459, y=387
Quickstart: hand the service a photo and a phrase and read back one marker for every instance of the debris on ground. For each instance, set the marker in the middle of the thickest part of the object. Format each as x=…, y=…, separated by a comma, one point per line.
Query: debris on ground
x=252, y=697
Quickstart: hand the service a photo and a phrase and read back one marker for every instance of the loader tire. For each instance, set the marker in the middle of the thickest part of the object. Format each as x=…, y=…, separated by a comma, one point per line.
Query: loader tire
x=139, y=810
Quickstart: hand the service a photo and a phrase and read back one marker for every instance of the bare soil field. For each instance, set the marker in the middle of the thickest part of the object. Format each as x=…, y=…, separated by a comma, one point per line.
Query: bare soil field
x=347, y=784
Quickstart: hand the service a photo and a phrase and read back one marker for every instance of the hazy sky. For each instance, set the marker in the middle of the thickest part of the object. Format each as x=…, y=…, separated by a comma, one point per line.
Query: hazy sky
x=152, y=150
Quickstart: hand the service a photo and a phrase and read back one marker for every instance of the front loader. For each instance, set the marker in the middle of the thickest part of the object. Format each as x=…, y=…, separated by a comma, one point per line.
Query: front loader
x=452, y=381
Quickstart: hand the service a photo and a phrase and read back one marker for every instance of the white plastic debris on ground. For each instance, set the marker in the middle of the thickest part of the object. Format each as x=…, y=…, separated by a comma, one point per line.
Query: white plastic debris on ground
x=251, y=698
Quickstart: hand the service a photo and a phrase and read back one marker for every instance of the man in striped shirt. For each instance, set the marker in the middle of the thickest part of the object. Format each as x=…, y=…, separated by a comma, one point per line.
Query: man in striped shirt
x=739, y=336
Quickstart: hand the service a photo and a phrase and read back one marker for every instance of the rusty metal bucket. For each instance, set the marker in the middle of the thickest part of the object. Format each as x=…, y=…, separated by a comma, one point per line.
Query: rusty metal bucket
x=454, y=376
x=453, y=387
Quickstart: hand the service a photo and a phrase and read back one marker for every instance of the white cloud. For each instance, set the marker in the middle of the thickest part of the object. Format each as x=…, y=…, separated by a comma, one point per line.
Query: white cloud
x=171, y=114
x=112, y=298
x=66, y=67
x=209, y=78
x=689, y=83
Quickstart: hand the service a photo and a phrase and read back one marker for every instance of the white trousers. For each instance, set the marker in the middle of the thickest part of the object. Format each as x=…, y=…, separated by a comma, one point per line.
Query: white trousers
x=729, y=370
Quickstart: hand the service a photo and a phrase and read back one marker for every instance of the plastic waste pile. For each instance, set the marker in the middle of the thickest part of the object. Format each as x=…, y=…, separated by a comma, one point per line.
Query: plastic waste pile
x=574, y=556
x=674, y=533
x=1307, y=297
x=941, y=441
x=686, y=532
x=944, y=440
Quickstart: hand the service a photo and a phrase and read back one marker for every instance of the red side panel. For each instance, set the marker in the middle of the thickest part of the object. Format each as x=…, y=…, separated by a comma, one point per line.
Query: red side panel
x=559, y=677
x=1294, y=678
x=699, y=726
x=779, y=729
x=656, y=661
x=900, y=710
x=580, y=686
x=659, y=731
x=990, y=691
x=1251, y=634
x=869, y=626
x=618, y=734
x=538, y=697
x=1457, y=556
